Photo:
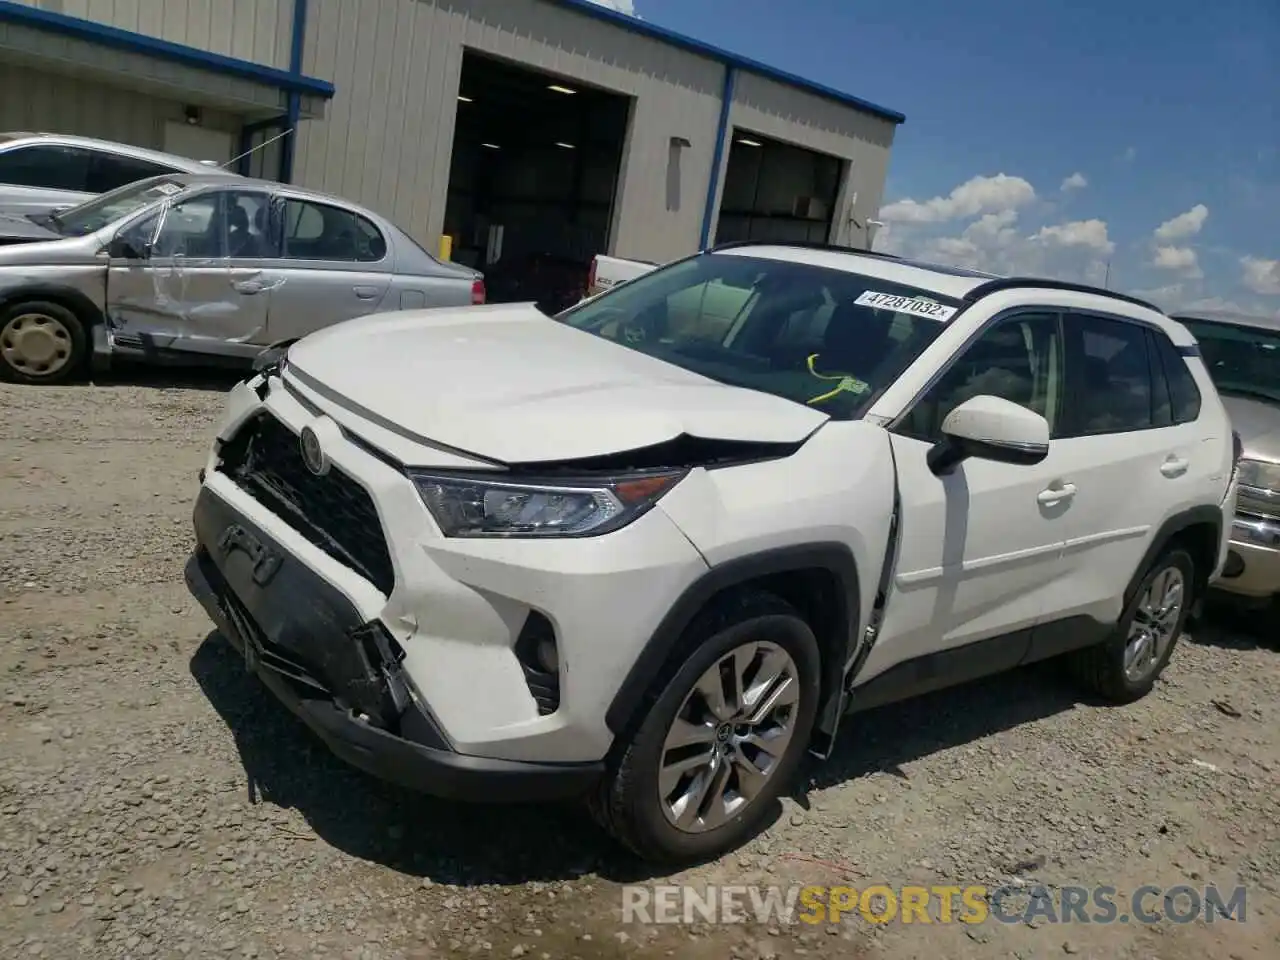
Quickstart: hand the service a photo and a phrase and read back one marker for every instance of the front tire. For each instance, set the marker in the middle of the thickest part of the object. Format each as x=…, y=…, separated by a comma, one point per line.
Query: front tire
x=1125, y=667
x=41, y=343
x=722, y=737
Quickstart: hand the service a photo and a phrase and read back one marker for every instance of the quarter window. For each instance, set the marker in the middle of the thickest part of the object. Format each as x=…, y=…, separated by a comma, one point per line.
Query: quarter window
x=1110, y=370
x=1020, y=359
x=48, y=166
x=1184, y=395
x=317, y=231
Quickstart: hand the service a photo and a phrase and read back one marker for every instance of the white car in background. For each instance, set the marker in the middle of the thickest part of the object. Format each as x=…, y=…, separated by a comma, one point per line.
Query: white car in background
x=47, y=172
x=651, y=554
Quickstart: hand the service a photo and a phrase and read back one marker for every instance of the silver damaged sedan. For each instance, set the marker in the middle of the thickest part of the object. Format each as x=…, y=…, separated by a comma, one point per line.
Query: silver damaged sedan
x=201, y=268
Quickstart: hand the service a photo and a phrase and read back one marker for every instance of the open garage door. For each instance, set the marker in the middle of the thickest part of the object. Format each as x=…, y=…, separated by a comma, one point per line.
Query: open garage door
x=535, y=169
x=775, y=191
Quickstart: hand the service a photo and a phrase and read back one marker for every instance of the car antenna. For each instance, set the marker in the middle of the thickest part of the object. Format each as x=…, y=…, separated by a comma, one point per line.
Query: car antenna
x=265, y=143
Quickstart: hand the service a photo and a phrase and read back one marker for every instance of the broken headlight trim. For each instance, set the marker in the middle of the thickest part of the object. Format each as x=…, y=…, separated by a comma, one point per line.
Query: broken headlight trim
x=476, y=506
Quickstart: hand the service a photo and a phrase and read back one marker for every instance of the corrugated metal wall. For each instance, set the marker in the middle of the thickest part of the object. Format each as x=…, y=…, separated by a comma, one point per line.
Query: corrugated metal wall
x=37, y=100
x=785, y=113
x=388, y=135
x=255, y=30
x=387, y=138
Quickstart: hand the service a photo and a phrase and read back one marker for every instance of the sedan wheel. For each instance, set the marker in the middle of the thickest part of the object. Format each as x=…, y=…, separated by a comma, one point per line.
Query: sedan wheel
x=36, y=345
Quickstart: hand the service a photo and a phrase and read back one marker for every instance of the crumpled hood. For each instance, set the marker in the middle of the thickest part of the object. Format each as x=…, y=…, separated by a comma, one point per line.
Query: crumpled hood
x=507, y=383
x=1258, y=424
x=17, y=227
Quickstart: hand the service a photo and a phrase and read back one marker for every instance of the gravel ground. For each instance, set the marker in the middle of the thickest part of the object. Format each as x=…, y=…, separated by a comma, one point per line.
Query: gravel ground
x=154, y=801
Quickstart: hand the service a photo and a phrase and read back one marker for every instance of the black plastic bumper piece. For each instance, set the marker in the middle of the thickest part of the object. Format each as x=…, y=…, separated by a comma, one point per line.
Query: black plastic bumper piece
x=305, y=641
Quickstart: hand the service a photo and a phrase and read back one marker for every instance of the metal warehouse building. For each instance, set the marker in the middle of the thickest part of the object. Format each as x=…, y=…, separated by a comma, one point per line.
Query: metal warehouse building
x=515, y=126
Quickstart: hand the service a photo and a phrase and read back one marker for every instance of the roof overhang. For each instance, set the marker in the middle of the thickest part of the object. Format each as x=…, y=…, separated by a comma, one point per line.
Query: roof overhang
x=68, y=45
x=728, y=58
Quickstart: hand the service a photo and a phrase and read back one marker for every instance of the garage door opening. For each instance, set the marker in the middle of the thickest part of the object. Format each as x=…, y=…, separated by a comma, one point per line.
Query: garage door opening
x=536, y=160
x=775, y=191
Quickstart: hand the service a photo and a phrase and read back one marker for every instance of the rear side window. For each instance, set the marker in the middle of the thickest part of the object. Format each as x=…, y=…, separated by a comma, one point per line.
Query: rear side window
x=317, y=231
x=1184, y=395
x=1109, y=377
x=109, y=171
x=48, y=166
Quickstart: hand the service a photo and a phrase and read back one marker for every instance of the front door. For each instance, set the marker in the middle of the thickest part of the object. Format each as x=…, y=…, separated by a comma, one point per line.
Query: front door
x=334, y=265
x=980, y=549
x=198, y=283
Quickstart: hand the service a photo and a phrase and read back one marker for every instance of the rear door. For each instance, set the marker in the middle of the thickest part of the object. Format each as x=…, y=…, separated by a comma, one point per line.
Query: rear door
x=334, y=265
x=1134, y=457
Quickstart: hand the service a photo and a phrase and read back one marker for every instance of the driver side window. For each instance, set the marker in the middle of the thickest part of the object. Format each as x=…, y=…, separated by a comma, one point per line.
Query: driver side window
x=1019, y=359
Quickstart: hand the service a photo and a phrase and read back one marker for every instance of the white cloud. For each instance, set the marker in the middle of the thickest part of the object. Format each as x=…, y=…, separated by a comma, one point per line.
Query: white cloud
x=1182, y=259
x=622, y=6
x=1090, y=235
x=1167, y=296
x=1183, y=225
x=977, y=196
x=1076, y=181
x=1261, y=276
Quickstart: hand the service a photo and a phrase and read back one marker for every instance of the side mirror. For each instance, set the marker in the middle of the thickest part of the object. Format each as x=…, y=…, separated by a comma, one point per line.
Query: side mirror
x=122, y=248
x=990, y=428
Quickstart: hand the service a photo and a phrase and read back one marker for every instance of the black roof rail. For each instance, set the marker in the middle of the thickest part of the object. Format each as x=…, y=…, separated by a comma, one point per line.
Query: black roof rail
x=1044, y=283
x=802, y=245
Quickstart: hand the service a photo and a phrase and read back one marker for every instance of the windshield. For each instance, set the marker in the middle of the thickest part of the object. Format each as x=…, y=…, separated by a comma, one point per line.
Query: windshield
x=830, y=339
x=1242, y=360
x=97, y=213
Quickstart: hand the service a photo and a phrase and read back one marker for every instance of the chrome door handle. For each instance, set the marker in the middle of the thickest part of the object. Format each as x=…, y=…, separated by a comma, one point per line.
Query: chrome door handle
x=248, y=287
x=1056, y=495
x=1174, y=466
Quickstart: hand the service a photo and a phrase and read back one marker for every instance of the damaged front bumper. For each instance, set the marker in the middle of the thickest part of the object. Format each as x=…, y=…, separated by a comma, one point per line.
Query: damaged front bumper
x=309, y=646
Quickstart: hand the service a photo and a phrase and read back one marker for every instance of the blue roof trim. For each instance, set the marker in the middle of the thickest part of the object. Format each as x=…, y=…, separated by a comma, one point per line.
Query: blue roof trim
x=132, y=42
x=647, y=29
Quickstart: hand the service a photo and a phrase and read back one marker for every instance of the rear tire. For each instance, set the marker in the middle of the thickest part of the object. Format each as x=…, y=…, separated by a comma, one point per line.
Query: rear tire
x=653, y=800
x=1126, y=666
x=41, y=343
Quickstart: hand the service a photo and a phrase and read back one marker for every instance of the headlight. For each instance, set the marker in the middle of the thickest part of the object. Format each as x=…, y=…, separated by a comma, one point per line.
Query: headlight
x=473, y=506
x=1260, y=475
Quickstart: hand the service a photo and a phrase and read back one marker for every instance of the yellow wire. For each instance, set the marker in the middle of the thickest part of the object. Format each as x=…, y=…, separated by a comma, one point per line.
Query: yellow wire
x=847, y=384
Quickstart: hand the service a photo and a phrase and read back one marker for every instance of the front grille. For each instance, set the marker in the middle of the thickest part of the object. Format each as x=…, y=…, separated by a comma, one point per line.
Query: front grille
x=334, y=512
x=1261, y=503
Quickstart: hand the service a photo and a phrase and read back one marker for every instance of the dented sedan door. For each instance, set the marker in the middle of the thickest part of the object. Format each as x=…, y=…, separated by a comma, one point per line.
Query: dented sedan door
x=191, y=278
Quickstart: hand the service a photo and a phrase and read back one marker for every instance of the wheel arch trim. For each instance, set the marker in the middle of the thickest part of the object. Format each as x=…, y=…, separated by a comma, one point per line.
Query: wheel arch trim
x=837, y=559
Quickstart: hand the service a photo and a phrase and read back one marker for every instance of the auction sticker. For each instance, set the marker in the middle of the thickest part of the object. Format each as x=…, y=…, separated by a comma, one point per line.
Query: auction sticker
x=920, y=306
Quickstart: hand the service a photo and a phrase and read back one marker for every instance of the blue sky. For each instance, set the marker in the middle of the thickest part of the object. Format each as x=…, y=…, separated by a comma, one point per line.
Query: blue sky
x=1146, y=132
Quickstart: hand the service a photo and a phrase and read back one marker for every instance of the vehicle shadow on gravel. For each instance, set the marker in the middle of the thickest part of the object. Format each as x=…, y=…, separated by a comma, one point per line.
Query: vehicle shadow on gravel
x=461, y=844
x=472, y=844
x=213, y=379
x=1232, y=627
x=888, y=738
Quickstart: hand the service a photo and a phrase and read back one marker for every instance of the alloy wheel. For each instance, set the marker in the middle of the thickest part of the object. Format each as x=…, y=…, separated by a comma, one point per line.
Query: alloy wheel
x=1154, y=623
x=729, y=736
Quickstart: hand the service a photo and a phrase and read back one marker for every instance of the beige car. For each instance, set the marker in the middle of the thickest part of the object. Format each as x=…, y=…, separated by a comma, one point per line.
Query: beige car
x=1243, y=357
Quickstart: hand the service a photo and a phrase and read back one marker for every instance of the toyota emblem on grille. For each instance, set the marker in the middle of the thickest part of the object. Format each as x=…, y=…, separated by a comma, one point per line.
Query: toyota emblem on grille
x=313, y=455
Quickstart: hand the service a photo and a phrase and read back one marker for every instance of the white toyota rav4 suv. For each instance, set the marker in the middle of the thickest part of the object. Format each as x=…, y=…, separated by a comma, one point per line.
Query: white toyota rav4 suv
x=650, y=551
